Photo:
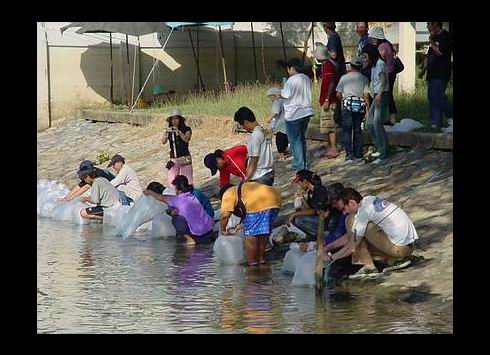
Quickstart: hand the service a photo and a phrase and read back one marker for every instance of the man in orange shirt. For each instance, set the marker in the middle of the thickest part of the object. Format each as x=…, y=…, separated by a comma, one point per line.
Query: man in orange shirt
x=261, y=203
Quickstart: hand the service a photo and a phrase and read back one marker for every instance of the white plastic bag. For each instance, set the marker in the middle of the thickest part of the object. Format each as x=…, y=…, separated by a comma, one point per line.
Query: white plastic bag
x=229, y=249
x=292, y=258
x=141, y=212
x=161, y=226
x=304, y=275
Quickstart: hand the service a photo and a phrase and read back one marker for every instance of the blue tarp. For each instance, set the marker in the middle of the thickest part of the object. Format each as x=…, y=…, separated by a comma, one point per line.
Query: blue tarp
x=184, y=24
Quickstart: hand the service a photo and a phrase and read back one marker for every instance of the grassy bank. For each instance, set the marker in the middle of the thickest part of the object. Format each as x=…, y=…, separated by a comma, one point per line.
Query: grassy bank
x=211, y=103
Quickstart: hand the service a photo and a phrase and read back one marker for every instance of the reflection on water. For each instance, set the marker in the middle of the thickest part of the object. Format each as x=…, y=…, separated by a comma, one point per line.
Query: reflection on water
x=90, y=281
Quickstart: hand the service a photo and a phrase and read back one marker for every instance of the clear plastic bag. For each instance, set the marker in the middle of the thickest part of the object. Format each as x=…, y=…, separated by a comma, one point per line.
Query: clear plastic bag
x=229, y=249
x=143, y=210
x=161, y=226
x=291, y=260
x=304, y=275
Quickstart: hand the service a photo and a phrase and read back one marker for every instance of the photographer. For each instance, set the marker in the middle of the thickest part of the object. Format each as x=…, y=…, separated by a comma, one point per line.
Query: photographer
x=179, y=135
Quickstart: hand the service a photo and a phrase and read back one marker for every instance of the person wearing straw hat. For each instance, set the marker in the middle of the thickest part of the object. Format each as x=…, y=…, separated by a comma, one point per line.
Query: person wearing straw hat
x=328, y=98
x=179, y=136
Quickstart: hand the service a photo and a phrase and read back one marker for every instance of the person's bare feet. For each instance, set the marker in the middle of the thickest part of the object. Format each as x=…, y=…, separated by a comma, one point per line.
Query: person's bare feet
x=189, y=240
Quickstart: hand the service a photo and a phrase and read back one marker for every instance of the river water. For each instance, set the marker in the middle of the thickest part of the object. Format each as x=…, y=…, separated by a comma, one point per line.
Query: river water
x=90, y=281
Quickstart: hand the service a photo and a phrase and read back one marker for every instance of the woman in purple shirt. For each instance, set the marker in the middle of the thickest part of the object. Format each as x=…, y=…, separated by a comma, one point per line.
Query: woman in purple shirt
x=188, y=215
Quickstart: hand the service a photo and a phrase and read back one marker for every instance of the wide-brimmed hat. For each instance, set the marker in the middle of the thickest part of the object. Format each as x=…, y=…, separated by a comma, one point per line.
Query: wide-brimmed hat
x=173, y=113
x=320, y=52
x=377, y=32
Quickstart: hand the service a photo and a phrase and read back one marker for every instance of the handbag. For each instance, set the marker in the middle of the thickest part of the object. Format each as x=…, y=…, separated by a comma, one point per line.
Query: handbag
x=240, y=210
x=398, y=65
x=354, y=104
x=182, y=161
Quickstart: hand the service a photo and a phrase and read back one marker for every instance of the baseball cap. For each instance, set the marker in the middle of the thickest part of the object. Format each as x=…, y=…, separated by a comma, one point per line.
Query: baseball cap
x=356, y=61
x=115, y=159
x=86, y=164
x=210, y=163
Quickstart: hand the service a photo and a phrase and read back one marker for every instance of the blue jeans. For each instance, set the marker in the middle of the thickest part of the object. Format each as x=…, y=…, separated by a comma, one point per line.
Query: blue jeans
x=351, y=121
x=309, y=225
x=296, y=131
x=438, y=102
x=124, y=199
x=375, y=124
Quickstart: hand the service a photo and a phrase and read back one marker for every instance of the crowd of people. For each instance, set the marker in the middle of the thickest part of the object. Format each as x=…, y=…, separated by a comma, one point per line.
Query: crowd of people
x=364, y=228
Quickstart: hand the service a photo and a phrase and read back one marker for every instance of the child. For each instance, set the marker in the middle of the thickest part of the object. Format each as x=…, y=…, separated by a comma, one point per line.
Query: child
x=277, y=121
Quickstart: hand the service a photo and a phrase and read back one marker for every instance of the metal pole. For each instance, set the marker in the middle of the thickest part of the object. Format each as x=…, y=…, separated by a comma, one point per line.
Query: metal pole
x=112, y=71
x=313, y=46
x=227, y=87
x=255, y=56
x=48, y=74
x=151, y=71
x=283, y=46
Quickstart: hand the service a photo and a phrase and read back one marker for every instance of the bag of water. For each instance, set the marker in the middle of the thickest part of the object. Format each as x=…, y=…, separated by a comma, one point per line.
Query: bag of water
x=292, y=258
x=229, y=249
x=143, y=211
x=304, y=274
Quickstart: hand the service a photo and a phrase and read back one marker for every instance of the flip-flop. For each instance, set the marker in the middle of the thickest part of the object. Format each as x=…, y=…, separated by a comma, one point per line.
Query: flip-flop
x=253, y=264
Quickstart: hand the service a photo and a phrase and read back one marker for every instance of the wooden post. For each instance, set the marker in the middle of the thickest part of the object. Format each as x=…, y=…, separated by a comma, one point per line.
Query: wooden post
x=255, y=56
x=313, y=46
x=319, y=254
x=283, y=46
x=195, y=59
x=129, y=70
x=305, y=46
x=112, y=71
x=227, y=86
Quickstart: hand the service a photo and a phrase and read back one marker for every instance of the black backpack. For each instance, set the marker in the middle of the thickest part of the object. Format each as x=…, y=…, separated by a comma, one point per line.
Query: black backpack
x=240, y=210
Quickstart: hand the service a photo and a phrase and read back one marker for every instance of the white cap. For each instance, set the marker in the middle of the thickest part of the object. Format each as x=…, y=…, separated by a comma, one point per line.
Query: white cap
x=377, y=32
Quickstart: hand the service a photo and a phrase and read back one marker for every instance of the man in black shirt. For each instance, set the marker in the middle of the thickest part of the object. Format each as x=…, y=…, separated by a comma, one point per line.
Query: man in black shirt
x=438, y=73
x=307, y=218
x=82, y=187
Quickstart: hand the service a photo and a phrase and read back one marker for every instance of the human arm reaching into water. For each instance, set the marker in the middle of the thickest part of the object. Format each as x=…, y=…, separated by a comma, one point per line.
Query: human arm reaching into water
x=75, y=192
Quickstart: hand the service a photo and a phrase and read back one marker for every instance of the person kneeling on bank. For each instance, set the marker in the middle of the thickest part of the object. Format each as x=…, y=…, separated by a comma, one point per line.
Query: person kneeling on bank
x=377, y=228
x=102, y=194
x=190, y=219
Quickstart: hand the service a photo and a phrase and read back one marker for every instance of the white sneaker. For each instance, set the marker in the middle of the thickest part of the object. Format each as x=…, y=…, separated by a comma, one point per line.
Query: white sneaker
x=377, y=154
x=376, y=162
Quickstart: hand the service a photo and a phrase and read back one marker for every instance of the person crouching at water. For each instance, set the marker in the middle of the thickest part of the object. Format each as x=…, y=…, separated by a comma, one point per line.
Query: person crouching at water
x=83, y=187
x=102, y=194
x=377, y=227
x=189, y=217
x=306, y=217
x=126, y=181
x=178, y=134
x=258, y=206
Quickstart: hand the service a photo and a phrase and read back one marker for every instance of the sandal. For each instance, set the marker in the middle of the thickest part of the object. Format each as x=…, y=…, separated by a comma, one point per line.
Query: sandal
x=365, y=273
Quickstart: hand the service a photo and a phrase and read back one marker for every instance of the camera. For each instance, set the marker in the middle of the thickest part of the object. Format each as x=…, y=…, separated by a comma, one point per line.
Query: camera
x=169, y=165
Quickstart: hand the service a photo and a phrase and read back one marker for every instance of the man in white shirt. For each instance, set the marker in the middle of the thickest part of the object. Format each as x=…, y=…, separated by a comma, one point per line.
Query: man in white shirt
x=260, y=165
x=126, y=180
x=298, y=110
x=376, y=227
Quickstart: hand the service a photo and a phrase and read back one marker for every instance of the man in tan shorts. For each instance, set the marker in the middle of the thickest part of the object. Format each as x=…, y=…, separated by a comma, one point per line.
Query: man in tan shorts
x=376, y=228
x=328, y=99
